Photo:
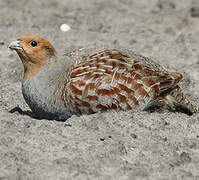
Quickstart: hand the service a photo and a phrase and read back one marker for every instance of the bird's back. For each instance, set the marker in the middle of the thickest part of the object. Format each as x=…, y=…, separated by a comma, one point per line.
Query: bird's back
x=115, y=79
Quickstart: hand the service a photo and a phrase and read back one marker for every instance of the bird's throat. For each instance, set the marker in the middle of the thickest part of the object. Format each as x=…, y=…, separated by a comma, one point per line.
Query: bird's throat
x=31, y=68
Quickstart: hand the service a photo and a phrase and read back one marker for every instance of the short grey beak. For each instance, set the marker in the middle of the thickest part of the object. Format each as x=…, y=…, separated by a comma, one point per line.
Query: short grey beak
x=14, y=45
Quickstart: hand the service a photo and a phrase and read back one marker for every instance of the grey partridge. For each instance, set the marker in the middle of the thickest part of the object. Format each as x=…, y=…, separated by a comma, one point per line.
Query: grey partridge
x=87, y=81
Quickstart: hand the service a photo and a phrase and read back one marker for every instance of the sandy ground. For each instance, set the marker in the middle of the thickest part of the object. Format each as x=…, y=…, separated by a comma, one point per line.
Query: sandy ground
x=123, y=145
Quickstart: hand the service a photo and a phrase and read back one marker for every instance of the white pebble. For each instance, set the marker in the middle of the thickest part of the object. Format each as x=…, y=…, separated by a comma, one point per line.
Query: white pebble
x=64, y=27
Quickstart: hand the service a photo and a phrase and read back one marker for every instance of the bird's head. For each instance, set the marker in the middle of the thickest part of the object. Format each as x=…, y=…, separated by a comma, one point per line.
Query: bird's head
x=34, y=53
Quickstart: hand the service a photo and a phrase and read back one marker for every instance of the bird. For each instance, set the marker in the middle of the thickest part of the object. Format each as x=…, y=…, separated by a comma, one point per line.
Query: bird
x=91, y=80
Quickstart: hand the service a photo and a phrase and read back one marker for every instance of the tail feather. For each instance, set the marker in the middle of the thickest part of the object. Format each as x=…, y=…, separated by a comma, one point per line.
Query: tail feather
x=176, y=101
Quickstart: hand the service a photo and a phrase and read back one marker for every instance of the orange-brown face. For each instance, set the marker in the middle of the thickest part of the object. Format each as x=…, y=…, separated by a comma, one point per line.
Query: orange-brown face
x=33, y=48
x=33, y=52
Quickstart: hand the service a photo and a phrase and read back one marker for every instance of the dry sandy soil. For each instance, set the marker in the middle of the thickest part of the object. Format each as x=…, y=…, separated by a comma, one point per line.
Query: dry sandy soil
x=125, y=145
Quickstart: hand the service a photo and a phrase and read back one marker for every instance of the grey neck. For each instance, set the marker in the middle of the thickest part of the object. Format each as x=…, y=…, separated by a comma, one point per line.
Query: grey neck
x=41, y=92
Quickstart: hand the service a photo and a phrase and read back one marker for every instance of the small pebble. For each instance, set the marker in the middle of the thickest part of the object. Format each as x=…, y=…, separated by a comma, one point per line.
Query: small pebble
x=134, y=136
x=102, y=139
x=64, y=27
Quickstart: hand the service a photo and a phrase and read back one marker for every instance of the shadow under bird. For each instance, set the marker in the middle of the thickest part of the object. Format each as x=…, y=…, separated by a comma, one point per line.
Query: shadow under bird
x=90, y=80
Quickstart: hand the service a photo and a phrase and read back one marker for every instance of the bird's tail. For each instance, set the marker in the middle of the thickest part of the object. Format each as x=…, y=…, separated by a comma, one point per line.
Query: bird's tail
x=176, y=101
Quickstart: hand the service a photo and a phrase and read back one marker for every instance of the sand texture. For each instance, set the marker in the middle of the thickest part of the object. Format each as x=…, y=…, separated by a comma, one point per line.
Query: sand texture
x=124, y=145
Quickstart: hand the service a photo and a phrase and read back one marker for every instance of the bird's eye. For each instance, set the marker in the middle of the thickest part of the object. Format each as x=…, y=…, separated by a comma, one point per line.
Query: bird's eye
x=33, y=43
